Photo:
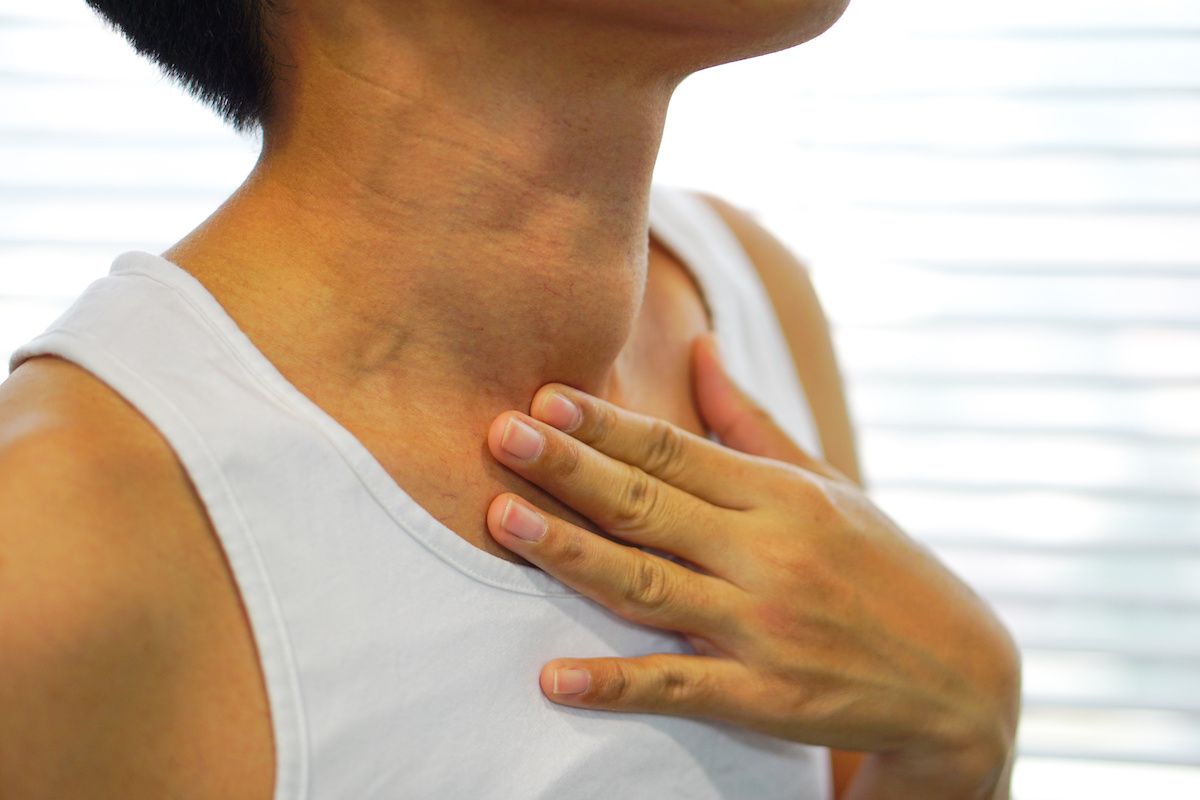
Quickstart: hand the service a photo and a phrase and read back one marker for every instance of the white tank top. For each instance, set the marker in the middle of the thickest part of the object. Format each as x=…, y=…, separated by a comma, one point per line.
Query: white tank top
x=401, y=661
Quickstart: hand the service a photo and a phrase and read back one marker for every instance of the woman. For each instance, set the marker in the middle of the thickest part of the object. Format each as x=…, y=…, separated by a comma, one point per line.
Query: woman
x=649, y=584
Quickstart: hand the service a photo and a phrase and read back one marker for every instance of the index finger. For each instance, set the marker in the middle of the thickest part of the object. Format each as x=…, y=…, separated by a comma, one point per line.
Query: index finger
x=720, y=475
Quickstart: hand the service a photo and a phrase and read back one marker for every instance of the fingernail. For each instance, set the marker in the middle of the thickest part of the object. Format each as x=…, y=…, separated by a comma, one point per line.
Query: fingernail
x=520, y=440
x=561, y=412
x=571, y=681
x=522, y=522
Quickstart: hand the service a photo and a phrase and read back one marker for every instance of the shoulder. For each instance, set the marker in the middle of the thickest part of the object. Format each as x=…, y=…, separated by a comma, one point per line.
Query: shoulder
x=794, y=297
x=73, y=451
x=93, y=595
x=78, y=472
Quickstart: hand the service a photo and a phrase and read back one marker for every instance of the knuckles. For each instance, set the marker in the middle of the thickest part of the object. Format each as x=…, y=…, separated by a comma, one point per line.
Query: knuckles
x=636, y=504
x=650, y=681
x=807, y=503
x=599, y=422
x=676, y=687
x=566, y=461
x=611, y=686
x=648, y=588
x=663, y=455
x=570, y=551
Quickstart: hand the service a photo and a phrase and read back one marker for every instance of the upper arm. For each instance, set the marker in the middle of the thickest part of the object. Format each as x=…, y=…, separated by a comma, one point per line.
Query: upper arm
x=91, y=606
x=806, y=328
x=69, y=632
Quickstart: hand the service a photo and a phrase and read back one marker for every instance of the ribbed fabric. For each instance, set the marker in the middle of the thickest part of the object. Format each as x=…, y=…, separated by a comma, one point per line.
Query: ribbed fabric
x=401, y=661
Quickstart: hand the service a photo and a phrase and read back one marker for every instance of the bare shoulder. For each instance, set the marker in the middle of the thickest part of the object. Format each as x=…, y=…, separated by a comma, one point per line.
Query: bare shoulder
x=101, y=599
x=81, y=470
x=80, y=474
x=802, y=318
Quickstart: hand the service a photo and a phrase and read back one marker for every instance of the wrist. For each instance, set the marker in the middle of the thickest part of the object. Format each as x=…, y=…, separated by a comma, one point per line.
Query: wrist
x=977, y=734
x=964, y=754
x=947, y=776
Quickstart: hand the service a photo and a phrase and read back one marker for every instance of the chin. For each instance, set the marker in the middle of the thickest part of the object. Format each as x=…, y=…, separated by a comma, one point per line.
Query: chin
x=767, y=26
x=731, y=29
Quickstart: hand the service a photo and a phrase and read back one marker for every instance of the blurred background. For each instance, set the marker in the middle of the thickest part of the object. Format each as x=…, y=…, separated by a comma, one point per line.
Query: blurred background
x=1000, y=205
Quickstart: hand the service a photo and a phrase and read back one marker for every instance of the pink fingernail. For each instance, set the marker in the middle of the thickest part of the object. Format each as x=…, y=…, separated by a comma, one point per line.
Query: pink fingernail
x=521, y=440
x=561, y=412
x=522, y=522
x=571, y=681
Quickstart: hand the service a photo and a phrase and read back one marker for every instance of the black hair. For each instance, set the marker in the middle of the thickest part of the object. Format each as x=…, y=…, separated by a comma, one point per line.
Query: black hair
x=217, y=49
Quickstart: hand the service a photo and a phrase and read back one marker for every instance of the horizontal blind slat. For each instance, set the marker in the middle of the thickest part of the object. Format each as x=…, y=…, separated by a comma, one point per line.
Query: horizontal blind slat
x=1073, y=518
x=1114, y=734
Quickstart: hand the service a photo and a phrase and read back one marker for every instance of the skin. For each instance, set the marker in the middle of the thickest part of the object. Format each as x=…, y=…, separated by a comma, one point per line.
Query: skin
x=439, y=208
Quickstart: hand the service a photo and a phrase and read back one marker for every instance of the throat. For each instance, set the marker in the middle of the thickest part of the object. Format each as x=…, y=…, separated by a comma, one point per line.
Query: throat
x=432, y=443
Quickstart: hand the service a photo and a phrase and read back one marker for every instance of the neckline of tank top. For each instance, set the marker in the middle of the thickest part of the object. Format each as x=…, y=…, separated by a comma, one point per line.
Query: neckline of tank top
x=401, y=507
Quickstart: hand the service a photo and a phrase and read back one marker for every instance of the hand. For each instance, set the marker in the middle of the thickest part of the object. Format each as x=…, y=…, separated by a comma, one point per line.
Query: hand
x=813, y=616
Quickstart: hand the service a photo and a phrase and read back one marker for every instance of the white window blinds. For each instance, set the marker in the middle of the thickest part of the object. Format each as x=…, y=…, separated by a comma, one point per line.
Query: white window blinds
x=1000, y=204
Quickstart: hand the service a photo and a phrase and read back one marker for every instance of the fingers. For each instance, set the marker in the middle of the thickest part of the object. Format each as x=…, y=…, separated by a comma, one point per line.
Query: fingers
x=623, y=500
x=661, y=683
x=638, y=586
x=692, y=463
